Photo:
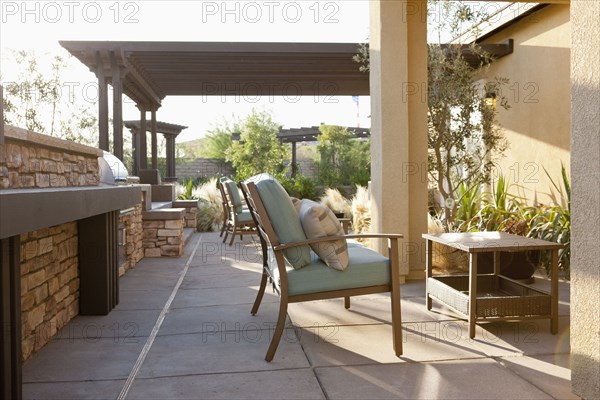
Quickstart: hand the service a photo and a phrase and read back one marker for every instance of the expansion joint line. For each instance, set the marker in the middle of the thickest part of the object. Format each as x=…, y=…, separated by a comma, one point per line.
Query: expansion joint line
x=150, y=341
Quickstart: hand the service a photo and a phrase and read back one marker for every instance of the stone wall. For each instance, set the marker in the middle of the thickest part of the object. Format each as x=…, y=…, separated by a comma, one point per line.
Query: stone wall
x=163, y=232
x=134, y=250
x=203, y=167
x=49, y=283
x=191, y=211
x=32, y=160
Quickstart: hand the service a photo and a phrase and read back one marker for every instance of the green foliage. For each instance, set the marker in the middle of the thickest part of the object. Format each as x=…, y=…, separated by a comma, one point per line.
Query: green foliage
x=258, y=149
x=39, y=100
x=343, y=160
x=301, y=187
x=554, y=224
x=218, y=140
x=188, y=191
x=502, y=211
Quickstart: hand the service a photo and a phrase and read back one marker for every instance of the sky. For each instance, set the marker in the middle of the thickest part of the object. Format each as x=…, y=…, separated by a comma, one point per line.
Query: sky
x=39, y=25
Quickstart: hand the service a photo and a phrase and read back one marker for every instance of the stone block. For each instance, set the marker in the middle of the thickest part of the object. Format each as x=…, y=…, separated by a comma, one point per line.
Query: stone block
x=169, y=232
x=30, y=249
x=27, y=181
x=149, y=244
x=174, y=240
x=27, y=345
x=40, y=293
x=45, y=245
x=171, y=251
x=61, y=294
x=42, y=180
x=74, y=286
x=35, y=279
x=155, y=252
x=14, y=180
x=153, y=224
x=174, y=224
x=34, y=317
x=53, y=286
x=27, y=301
x=150, y=233
x=24, y=284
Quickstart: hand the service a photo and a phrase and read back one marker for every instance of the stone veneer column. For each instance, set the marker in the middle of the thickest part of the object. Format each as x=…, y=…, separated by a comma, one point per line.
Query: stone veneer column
x=398, y=42
x=585, y=173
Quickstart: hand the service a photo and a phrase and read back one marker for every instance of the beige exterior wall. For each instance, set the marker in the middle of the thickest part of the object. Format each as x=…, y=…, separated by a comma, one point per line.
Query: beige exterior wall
x=585, y=234
x=537, y=125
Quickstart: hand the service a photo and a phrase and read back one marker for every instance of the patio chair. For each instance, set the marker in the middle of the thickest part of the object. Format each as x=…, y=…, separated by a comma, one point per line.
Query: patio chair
x=297, y=275
x=224, y=204
x=239, y=220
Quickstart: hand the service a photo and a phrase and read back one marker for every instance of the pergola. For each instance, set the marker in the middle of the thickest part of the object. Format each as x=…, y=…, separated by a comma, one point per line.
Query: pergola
x=310, y=134
x=147, y=72
x=140, y=157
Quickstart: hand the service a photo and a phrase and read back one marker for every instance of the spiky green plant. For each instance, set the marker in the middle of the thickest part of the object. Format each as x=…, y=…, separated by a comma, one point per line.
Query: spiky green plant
x=554, y=224
x=186, y=191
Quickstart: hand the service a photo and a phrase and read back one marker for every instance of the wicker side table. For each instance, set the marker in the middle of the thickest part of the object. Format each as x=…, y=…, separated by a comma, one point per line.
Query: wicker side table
x=491, y=296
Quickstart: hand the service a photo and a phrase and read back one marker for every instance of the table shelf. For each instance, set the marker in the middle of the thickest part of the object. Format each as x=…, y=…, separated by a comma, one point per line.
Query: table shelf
x=497, y=297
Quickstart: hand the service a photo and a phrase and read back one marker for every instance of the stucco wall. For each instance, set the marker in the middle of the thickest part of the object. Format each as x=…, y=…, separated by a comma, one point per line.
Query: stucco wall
x=537, y=125
x=585, y=167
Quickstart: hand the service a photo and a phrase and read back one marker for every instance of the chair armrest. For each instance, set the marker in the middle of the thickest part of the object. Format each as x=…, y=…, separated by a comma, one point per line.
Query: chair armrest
x=284, y=246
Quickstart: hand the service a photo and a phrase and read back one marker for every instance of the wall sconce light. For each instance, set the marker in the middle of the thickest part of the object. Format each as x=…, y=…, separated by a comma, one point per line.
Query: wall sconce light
x=490, y=99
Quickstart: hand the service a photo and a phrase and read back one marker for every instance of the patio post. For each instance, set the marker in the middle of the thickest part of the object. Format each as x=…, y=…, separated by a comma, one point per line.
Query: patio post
x=135, y=149
x=143, y=152
x=154, y=145
x=171, y=175
x=398, y=43
x=117, y=107
x=102, y=104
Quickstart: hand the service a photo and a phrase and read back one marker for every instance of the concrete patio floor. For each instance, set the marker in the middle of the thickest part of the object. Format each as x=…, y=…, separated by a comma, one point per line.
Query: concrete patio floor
x=183, y=330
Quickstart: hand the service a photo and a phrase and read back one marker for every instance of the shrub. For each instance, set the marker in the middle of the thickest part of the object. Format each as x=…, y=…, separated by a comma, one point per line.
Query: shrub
x=300, y=186
x=337, y=203
x=210, y=207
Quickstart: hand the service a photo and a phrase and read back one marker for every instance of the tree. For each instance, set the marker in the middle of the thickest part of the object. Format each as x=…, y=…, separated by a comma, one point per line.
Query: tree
x=258, y=149
x=464, y=136
x=343, y=160
x=42, y=102
x=218, y=139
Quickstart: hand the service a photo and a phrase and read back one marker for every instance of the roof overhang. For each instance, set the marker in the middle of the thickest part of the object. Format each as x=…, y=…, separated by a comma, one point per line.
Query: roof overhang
x=152, y=70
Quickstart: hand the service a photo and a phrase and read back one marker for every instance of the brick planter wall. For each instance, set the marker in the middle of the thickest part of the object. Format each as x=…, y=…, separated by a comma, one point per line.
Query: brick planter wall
x=49, y=283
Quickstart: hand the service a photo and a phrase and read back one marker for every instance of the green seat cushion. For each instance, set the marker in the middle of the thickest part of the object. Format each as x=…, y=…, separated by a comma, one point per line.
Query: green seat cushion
x=284, y=218
x=244, y=216
x=366, y=268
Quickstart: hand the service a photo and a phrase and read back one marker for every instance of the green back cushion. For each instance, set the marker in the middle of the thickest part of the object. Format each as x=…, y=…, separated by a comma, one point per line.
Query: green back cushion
x=284, y=218
x=366, y=268
x=235, y=195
